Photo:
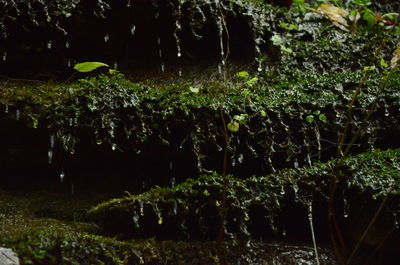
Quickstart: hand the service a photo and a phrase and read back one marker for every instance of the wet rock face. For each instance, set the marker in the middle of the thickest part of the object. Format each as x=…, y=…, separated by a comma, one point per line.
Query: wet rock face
x=8, y=257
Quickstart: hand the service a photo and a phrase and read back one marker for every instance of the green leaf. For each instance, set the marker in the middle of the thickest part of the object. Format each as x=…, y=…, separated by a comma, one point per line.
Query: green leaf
x=369, y=17
x=233, y=126
x=263, y=113
x=241, y=118
x=322, y=117
x=194, y=89
x=243, y=75
x=89, y=66
x=252, y=81
x=317, y=112
x=310, y=118
x=384, y=63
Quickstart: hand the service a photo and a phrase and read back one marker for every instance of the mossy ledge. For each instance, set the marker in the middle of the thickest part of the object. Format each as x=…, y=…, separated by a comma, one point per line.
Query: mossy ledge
x=191, y=209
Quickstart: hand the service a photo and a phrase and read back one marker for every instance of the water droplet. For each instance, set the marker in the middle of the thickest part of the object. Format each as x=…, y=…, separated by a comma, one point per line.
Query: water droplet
x=129, y=3
x=180, y=72
x=114, y=147
x=49, y=44
x=133, y=29
x=240, y=158
x=160, y=53
x=173, y=182
x=284, y=233
x=6, y=110
x=175, y=210
x=135, y=219
x=62, y=175
x=52, y=140
x=17, y=114
x=115, y=65
x=69, y=64
x=141, y=208
x=296, y=163
x=67, y=44
x=219, y=68
x=386, y=113
x=282, y=190
x=106, y=37
x=162, y=67
x=156, y=15
x=179, y=54
x=50, y=158
x=4, y=57
x=99, y=142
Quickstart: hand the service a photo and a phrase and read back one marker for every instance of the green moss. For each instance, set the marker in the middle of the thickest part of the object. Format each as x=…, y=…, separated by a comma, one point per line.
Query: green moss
x=191, y=209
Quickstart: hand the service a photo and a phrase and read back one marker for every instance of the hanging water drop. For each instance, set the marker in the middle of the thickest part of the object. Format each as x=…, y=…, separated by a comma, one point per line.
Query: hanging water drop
x=345, y=208
x=50, y=157
x=62, y=175
x=133, y=29
x=69, y=64
x=180, y=72
x=179, y=54
x=106, y=37
x=49, y=44
x=162, y=66
x=170, y=165
x=114, y=147
x=284, y=233
x=219, y=68
x=115, y=65
x=240, y=158
x=386, y=113
x=67, y=44
x=4, y=57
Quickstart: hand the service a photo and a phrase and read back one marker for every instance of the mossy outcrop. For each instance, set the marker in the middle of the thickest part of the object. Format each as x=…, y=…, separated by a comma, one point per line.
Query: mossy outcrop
x=190, y=209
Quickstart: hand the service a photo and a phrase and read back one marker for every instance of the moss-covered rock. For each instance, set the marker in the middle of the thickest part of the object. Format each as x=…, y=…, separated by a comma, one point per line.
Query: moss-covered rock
x=192, y=208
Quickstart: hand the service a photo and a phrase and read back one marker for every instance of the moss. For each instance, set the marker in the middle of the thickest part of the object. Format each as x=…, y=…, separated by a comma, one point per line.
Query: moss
x=191, y=208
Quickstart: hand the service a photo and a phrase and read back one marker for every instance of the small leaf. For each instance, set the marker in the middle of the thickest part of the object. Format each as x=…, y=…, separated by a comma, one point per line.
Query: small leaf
x=233, y=126
x=322, y=117
x=317, y=112
x=243, y=75
x=194, y=89
x=89, y=66
x=369, y=68
x=383, y=63
x=206, y=193
x=310, y=118
x=263, y=113
x=252, y=81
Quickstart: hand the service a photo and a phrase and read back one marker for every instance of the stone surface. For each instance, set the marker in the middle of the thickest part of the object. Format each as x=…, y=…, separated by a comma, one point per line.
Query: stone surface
x=8, y=257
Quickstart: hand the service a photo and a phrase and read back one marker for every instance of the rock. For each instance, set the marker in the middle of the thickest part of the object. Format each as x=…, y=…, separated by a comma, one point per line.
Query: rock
x=8, y=257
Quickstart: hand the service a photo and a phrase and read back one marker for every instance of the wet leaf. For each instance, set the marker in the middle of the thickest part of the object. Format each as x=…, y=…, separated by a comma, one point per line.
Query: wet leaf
x=395, y=59
x=233, y=126
x=322, y=117
x=194, y=89
x=310, y=118
x=335, y=14
x=89, y=66
x=383, y=63
x=243, y=75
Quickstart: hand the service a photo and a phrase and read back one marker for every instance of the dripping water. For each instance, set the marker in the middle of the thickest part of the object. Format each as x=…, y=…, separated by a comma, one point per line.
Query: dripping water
x=50, y=157
x=4, y=57
x=17, y=114
x=67, y=44
x=106, y=37
x=133, y=29
x=310, y=219
x=49, y=44
x=62, y=175
x=115, y=65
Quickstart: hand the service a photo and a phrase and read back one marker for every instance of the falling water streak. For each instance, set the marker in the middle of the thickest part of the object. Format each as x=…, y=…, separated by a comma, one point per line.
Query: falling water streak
x=115, y=65
x=318, y=137
x=106, y=37
x=69, y=64
x=67, y=44
x=310, y=218
x=133, y=29
x=52, y=140
x=17, y=114
x=4, y=57
x=49, y=44
x=50, y=157
x=221, y=66
x=178, y=28
x=62, y=175
x=173, y=182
